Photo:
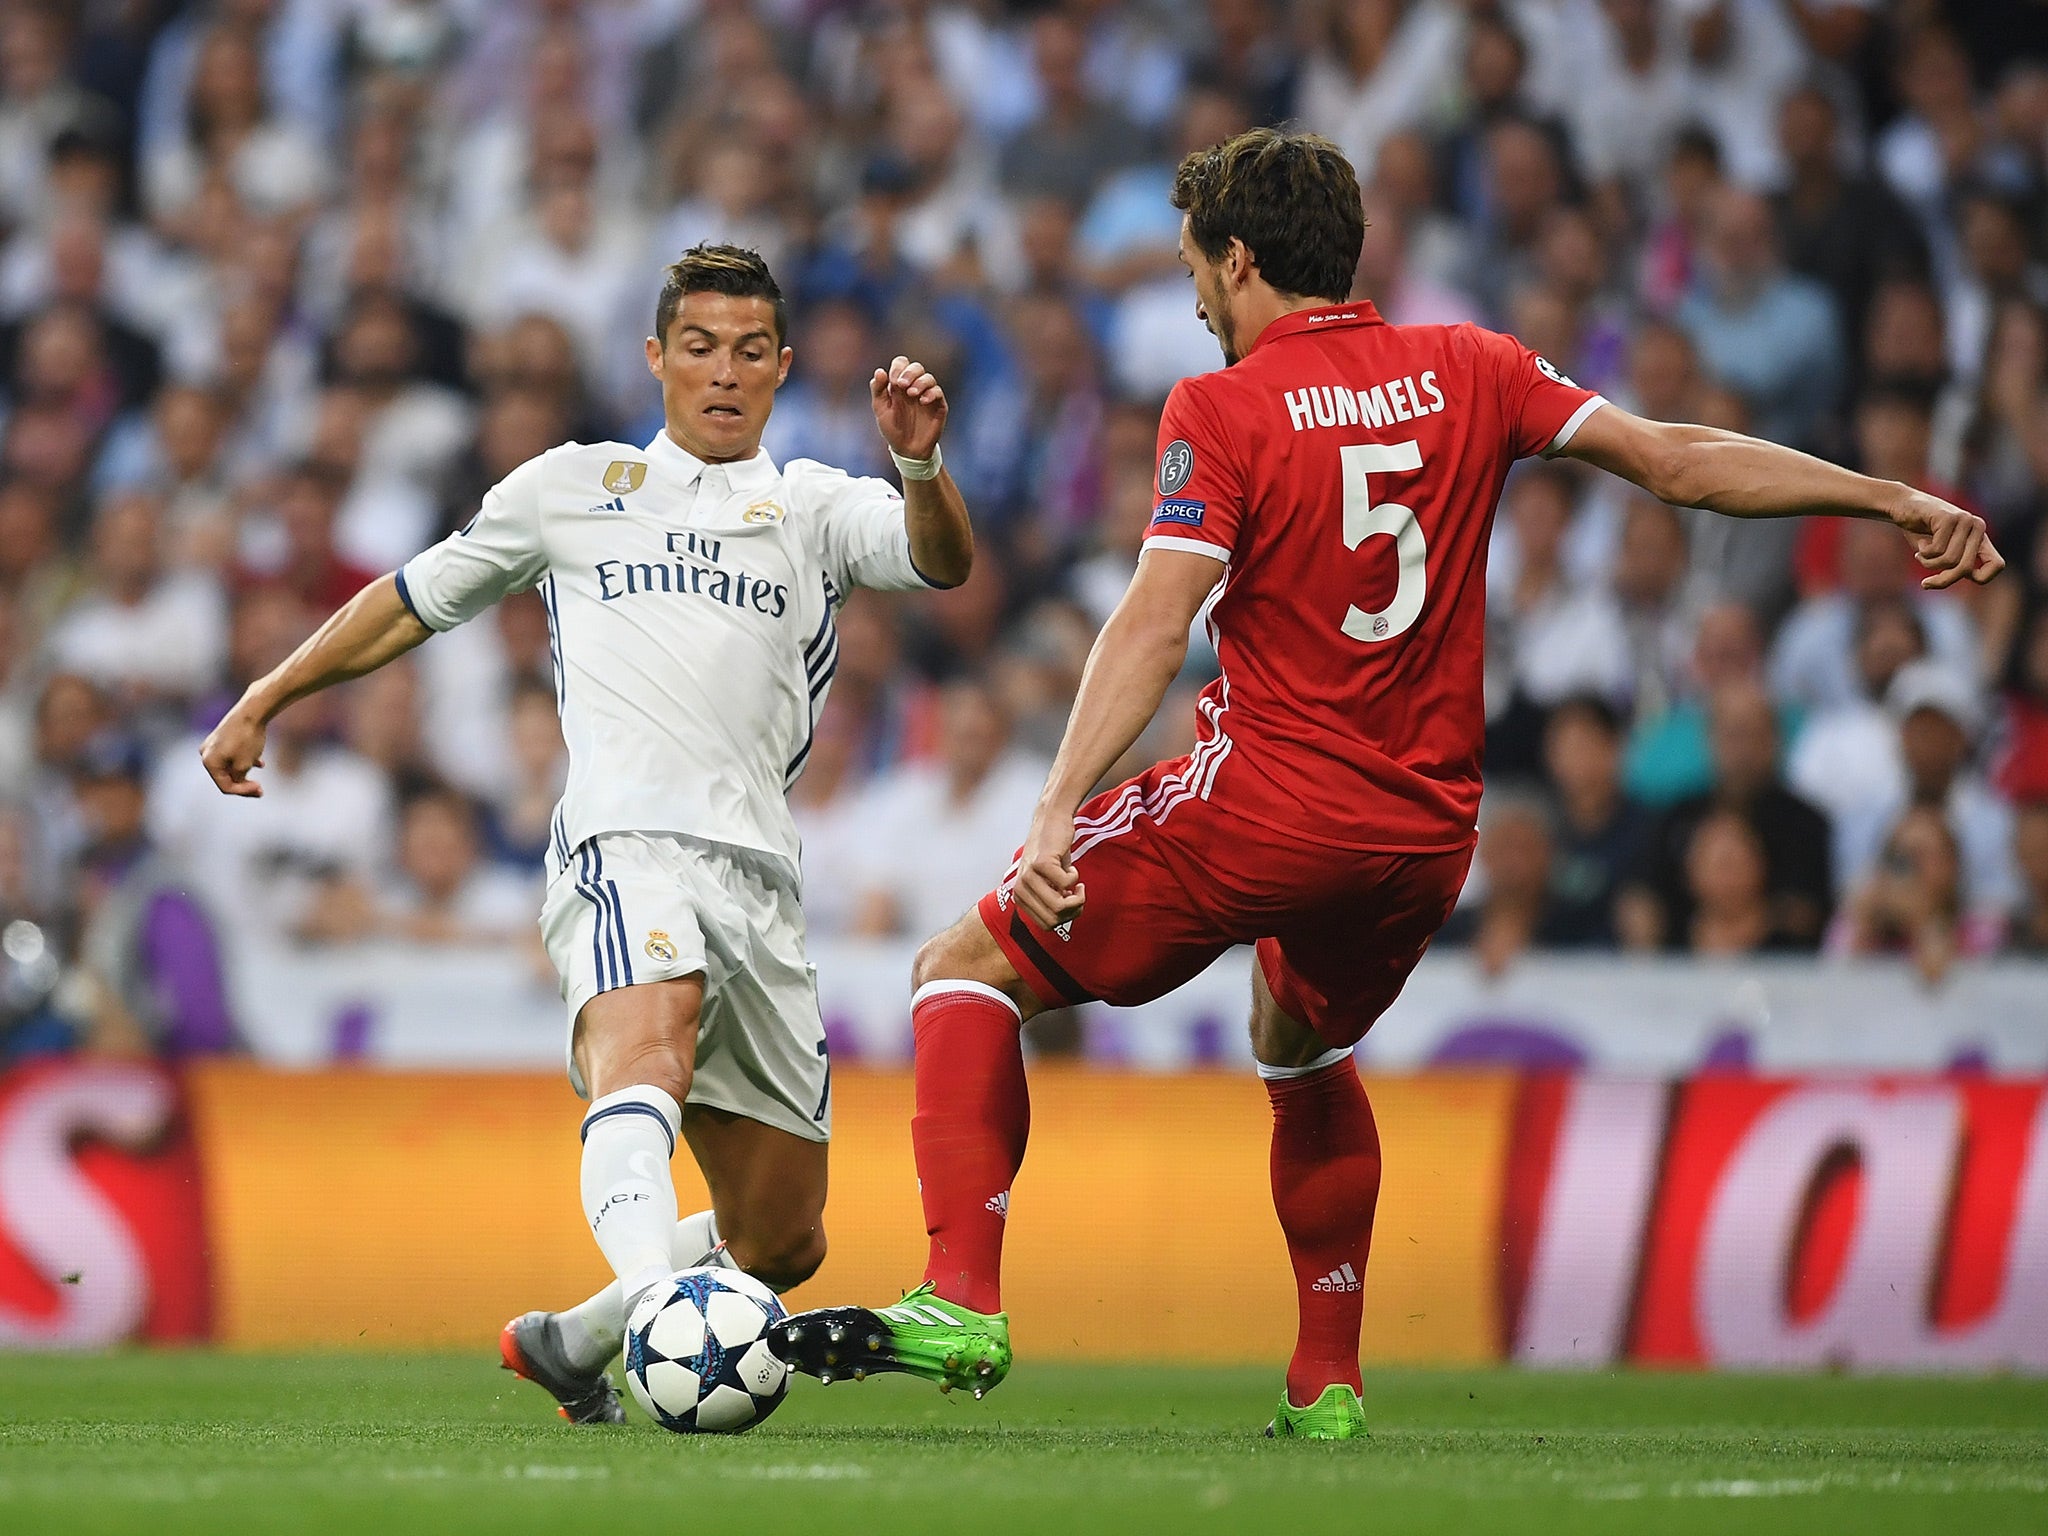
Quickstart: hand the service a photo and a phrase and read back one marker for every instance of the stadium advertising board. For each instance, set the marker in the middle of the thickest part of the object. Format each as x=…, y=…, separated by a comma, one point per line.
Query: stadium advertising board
x=401, y=1006
x=1722, y=1221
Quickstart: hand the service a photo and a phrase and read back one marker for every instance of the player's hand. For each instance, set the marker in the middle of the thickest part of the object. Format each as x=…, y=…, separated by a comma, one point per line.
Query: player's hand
x=231, y=750
x=1047, y=886
x=910, y=408
x=1949, y=543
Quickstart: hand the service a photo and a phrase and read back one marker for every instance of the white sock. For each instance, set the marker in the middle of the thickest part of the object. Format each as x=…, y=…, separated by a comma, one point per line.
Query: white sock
x=595, y=1331
x=628, y=1197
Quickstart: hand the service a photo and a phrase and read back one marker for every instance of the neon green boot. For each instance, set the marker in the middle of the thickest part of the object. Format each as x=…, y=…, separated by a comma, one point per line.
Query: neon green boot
x=923, y=1335
x=1336, y=1415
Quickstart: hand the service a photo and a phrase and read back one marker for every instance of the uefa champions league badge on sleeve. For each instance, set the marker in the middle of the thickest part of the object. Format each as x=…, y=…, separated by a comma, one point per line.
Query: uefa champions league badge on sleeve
x=1552, y=372
x=1176, y=466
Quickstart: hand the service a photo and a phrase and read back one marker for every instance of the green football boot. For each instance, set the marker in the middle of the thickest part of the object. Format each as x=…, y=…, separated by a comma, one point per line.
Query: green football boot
x=1336, y=1415
x=922, y=1335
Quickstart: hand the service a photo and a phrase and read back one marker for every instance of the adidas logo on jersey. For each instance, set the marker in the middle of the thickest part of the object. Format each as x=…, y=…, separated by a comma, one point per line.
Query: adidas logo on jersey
x=616, y=504
x=1343, y=1278
x=1000, y=1204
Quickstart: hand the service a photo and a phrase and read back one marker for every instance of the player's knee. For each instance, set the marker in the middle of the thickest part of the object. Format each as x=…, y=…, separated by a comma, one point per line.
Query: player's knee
x=964, y=952
x=939, y=958
x=786, y=1260
x=652, y=1063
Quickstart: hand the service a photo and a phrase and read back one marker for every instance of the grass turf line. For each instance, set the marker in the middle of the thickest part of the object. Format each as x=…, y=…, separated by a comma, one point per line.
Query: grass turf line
x=194, y=1442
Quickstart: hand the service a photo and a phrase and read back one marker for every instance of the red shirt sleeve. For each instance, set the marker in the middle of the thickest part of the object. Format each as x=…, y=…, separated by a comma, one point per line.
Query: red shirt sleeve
x=1199, y=502
x=1541, y=406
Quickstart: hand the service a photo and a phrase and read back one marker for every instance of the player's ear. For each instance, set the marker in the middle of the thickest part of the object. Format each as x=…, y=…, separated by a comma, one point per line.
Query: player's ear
x=1238, y=265
x=654, y=355
x=782, y=370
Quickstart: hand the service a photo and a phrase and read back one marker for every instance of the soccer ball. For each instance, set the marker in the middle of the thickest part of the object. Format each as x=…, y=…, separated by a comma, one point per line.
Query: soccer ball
x=697, y=1355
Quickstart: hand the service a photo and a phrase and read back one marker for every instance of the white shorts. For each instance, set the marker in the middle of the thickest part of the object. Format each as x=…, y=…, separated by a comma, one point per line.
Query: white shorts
x=634, y=907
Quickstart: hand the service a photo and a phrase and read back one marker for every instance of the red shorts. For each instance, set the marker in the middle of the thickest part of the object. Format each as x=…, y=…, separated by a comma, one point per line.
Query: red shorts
x=1174, y=880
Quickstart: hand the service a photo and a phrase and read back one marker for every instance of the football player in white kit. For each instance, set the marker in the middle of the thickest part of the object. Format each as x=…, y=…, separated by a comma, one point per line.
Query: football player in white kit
x=690, y=588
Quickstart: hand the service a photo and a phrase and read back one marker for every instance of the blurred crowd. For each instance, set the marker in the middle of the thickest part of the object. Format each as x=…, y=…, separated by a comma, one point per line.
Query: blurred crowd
x=286, y=284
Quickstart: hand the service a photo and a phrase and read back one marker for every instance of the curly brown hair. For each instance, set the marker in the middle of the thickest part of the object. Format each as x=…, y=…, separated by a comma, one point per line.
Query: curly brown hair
x=1292, y=198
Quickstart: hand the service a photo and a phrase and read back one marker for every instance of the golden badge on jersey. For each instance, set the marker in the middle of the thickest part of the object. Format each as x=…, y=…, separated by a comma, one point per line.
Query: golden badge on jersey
x=622, y=476
x=659, y=945
x=762, y=512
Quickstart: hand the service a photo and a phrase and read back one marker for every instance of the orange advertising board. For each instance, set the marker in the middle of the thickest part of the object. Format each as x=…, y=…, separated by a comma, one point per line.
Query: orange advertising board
x=387, y=1210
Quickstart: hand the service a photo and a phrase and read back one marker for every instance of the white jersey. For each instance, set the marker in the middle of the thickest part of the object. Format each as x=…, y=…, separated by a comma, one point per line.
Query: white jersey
x=691, y=607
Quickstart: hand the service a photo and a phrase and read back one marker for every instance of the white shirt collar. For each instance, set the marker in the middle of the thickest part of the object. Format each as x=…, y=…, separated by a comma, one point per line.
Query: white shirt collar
x=743, y=474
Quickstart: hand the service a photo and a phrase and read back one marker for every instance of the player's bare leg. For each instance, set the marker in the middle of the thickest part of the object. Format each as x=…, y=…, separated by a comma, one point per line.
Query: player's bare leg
x=1326, y=1182
x=635, y=1049
x=972, y=1119
x=767, y=1217
x=767, y=1193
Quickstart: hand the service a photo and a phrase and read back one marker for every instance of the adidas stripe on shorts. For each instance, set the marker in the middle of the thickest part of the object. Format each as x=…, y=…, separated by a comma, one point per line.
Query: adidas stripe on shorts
x=628, y=908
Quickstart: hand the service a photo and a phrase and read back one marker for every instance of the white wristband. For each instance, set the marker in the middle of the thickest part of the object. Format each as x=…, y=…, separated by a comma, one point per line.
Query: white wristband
x=919, y=469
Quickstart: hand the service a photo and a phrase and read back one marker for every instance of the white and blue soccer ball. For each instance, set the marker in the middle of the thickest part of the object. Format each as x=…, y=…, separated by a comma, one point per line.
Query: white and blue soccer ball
x=697, y=1353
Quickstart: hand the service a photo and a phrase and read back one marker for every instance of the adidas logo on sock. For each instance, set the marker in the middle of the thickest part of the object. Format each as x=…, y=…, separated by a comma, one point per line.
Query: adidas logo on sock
x=1000, y=1204
x=1342, y=1278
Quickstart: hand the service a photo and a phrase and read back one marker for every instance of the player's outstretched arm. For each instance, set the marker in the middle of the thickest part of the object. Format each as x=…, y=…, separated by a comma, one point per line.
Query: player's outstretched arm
x=372, y=628
x=1691, y=466
x=910, y=412
x=1133, y=662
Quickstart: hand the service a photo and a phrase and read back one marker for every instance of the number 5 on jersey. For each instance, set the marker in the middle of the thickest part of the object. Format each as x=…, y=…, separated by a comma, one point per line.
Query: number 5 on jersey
x=1362, y=520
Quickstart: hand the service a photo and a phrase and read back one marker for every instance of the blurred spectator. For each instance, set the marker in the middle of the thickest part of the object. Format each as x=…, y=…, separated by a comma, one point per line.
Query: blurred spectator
x=517, y=821
x=1937, y=716
x=1504, y=903
x=1839, y=228
x=153, y=979
x=1031, y=441
x=1771, y=336
x=1629, y=97
x=2029, y=935
x=1658, y=903
x=1813, y=661
x=1073, y=142
x=446, y=893
x=151, y=635
x=1546, y=636
x=292, y=542
x=1524, y=182
x=940, y=834
x=1380, y=65
x=831, y=819
x=1911, y=903
x=823, y=412
x=263, y=864
x=1385, y=275
x=231, y=136
x=1846, y=760
x=1727, y=889
x=1656, y=612
x=1599, y=830
x=2022, y=772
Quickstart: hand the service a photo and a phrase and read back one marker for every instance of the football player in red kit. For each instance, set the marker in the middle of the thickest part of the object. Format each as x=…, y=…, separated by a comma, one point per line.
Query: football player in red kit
x=1326, y=498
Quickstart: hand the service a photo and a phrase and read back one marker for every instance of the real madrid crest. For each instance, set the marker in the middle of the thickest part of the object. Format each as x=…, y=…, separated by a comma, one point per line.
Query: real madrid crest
x=659, y=945
x=762, y=512
x=623, y=476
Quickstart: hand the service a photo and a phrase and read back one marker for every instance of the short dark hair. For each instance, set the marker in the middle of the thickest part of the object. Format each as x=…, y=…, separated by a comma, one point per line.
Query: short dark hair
x=728, y=269
x=1292, y=198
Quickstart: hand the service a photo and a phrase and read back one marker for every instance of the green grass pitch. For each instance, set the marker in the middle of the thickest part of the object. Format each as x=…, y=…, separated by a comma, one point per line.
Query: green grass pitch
x=196, y=1442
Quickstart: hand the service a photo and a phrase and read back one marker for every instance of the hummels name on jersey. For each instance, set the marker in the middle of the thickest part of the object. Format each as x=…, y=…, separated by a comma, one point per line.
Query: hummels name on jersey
x=1400, y=399
x=692, y=571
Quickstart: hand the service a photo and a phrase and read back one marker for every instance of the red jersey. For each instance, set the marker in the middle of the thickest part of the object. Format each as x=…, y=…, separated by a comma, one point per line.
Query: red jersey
x=1346, y=473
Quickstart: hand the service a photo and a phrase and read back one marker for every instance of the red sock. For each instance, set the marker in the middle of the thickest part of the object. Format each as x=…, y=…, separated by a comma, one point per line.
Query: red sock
x=973, y=1117
x=1326, y=1181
